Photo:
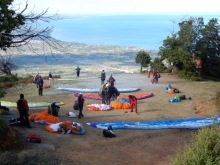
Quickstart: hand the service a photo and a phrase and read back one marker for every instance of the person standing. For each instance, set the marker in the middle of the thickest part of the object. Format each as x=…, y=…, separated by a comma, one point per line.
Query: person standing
x=50, y=77
x=155, y=75
x=107, y=96
x=133, y=102
x=77, y=71
x=148, y=71
x=80, y=104
x=22, y=106
x=36, y=78
x=102, y=77
x=111, y=80
x=40, y=84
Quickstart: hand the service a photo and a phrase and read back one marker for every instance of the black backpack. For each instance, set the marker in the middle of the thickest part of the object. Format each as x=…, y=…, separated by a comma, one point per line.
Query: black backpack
x=53, y=109
x=76, y=105
x=107, y=133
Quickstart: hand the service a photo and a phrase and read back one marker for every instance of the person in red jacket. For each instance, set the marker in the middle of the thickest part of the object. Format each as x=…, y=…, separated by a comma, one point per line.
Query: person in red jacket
x=155, y=75
x=133, y=102
x=22, y=106
x=80, y=104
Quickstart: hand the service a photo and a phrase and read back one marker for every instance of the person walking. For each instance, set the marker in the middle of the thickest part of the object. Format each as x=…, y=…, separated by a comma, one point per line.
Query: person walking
x=80, y=104
x=77, y=71
x=102, y=77
x=22, y=106
x=133, y=102
x=148, y=71
x=50, y=77
x=40, y=84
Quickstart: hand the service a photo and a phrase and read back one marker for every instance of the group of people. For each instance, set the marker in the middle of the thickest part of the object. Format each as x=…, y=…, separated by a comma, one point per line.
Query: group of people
x=109, y=92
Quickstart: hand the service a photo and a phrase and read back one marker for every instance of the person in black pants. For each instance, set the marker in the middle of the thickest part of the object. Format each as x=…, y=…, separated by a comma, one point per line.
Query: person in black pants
x=78, y=71
x=40, y=84
x=22, y=106
x=80, y=104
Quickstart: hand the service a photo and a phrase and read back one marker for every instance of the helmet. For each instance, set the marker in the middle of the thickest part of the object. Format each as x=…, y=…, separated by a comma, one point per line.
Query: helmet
x=110, y=127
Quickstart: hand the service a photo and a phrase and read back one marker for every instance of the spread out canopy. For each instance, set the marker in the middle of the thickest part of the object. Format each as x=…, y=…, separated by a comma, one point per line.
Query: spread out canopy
x=30, y=104
x=190, y=123
x=96, y=90
x=95, y=96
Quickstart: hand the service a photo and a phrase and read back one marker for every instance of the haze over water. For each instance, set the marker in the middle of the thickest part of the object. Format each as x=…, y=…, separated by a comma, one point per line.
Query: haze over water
x=145, y=31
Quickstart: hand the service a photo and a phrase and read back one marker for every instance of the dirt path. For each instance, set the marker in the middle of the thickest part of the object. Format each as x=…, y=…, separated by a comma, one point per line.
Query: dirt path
x=142, y=147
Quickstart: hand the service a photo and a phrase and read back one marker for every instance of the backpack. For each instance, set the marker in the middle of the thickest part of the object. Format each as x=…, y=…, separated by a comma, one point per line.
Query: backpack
x=14, y=122
x=108, y=133
x=53, y=109
x=4, y=110
x=76, y=105
x=34, y=138
x=102, y=89
x=158, y=75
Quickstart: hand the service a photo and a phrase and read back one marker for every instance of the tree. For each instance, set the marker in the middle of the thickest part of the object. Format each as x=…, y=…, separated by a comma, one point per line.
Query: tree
x=157, y=63
x=194, y=38
x=143, y=58
x=18, y=28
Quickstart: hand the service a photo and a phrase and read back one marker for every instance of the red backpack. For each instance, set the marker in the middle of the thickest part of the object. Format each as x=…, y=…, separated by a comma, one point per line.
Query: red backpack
x=34, y=138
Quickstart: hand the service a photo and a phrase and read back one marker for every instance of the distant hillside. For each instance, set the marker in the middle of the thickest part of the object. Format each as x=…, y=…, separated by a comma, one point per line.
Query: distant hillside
x=73, y=53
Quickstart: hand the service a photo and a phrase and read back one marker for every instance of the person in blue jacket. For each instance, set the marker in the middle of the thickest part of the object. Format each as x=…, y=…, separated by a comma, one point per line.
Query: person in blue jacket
x=40, y=84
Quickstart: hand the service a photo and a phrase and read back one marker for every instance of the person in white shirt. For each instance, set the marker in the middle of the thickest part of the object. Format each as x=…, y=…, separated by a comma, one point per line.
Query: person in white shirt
x=148, y=71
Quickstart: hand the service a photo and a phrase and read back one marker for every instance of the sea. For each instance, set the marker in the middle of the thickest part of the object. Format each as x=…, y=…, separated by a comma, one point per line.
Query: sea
x=145, y=31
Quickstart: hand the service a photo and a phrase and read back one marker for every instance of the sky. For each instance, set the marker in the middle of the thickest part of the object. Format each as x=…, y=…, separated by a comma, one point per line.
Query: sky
x=123, y=6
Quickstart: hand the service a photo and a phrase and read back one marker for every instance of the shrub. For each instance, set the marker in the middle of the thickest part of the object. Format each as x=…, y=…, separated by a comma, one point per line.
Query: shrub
x=9, y=138
x=190, y=75
x=28, y=79
x=8, y=80
x=204, y=150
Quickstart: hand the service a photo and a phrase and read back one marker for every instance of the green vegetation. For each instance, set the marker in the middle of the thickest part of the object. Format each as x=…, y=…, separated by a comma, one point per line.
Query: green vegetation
x=197, y=41
x=157, y=63
x=143, y=58
x=204, y=150
x=30, y=156
x=10, y=20
x=9, y=138
x=218, y=101
x=205, y=147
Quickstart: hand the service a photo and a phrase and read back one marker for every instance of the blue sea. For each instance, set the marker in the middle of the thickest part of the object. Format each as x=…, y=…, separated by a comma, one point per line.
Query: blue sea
x=142, y=31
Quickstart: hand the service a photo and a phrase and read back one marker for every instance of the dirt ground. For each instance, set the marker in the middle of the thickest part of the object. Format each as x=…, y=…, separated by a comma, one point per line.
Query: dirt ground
x=141, y=147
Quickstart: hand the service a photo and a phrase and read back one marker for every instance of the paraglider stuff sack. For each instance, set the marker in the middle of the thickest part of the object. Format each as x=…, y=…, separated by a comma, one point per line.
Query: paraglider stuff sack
x=75, y=105
x=182, y=97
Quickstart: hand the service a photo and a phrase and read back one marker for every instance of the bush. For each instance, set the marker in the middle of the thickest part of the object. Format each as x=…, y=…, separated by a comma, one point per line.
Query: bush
x=8, y=80
x=9, y=138
x=28, y=79
x=204, y=150
x=218, y=99
x=190, y=75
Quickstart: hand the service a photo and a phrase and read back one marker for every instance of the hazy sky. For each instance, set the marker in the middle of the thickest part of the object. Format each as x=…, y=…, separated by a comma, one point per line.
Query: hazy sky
x=123, y=6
